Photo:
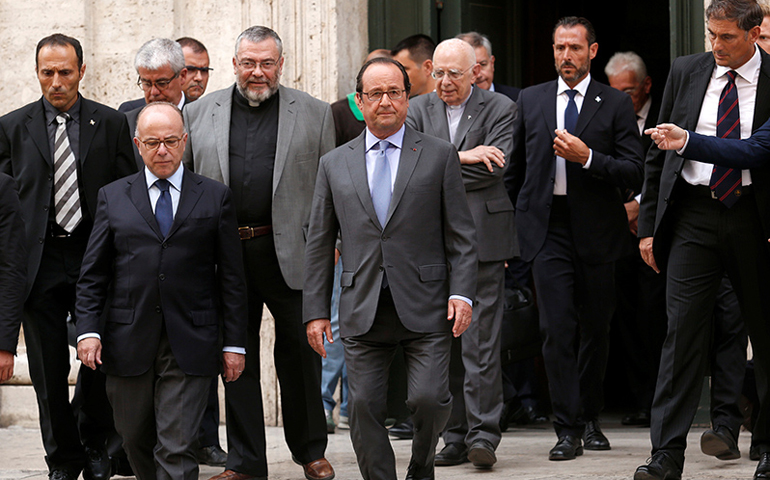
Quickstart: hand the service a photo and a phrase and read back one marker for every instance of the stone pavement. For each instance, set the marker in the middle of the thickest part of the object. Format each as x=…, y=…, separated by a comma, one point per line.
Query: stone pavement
x=522, y=455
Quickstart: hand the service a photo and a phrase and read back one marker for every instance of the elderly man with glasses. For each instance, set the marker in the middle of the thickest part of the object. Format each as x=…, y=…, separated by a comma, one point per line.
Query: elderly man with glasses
x=480, y=125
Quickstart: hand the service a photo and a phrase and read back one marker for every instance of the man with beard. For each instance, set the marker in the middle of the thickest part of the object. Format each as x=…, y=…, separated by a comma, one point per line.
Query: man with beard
x=572, y=224
x=264, y=141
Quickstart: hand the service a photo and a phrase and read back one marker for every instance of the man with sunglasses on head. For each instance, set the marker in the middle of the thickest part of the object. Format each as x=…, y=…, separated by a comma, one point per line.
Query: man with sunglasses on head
x=480, y=125
x=264, y=141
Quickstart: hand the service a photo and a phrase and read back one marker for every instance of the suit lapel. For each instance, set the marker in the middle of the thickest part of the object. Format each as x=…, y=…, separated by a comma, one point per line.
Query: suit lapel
x=287, y=117
x=699, y=81
x=356, y=160
x=472, y=110
x=410, y=152
x=37, y=131
x=762, y=104
x=437, y=117
x=89, y=122
x=191, y=193
x=220, y=117
x=141, y=200
x=591, y=104
x=548, y=106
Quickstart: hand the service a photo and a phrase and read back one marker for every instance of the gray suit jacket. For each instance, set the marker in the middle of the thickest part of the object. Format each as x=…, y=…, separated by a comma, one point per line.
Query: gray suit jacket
x=305, y=132
x=487, y=120
x=427, y=244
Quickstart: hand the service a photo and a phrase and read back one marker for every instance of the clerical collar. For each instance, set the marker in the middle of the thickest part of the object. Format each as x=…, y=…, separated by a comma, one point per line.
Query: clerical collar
x=244, y=102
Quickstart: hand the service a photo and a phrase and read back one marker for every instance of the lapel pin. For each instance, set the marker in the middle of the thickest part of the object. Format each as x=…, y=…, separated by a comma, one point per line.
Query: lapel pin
x=469, y=117
x=598, y=99
x=414, y=149
x=92, y=122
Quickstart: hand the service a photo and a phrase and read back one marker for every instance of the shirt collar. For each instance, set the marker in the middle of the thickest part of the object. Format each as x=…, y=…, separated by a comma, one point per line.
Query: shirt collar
x=465, y=102
x=175, y=180
x=747, y=71
x=492, y=87
x=581, y=87
x=645, y=110
x=52, y=112
x=397, y=139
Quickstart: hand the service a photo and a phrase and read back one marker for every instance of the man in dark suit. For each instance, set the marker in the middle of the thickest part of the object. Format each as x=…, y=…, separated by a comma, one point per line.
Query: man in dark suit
x=159, y=344
x=480, y=125
x=486, y=77
x=90, y=146
x=13, y=267
x=696, y=231
x=265, y=145
x=397, y=199
x=572, y=224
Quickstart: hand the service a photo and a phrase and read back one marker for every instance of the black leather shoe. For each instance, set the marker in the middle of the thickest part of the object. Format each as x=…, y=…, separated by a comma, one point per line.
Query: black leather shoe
x=451, y=454
x=719, y=443
x=482, y=454
x=121, y=467
x=61, y=474
x=638, y=419
x=763, y=469
x=98, y=465
x=593, y=438
x=513, y=412
x=567, y=448
x=403, y=430
x=754, y=453
x=419, y=472
x=660, y=467
x=534, y=417
x=212, y=455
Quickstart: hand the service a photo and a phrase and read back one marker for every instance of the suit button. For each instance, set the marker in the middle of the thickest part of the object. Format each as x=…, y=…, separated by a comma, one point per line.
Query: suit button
x=165, y=245
x=162, y=276
x=381, y=269
x=547, y=205
x=45, y=209
x=384, y=238
x=665, y=200
x=40, y=241
x=50, y=178
x=157, y=309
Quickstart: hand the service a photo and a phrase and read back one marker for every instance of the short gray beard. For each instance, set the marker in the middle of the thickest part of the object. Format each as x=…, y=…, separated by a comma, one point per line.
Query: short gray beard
x=256, y=98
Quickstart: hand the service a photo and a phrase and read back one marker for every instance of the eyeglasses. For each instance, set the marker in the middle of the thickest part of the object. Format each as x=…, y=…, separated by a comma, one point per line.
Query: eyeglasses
x=154, y=143
x=265, y=65
x=159, y=84
x=453, y=74
x=203, y=70
x=633, y=90
x=377, y=96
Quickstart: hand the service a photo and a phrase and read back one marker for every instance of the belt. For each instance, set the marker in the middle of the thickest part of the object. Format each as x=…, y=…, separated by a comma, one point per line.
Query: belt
x=704, y=190
x=247, y=233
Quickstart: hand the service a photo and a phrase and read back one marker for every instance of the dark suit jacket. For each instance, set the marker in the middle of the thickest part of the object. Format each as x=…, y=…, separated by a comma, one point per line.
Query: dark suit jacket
x=487, y=120
x=681, y=104
x=126, y=107
x=132, y=116
x=649, y=122
x=427, y=245
x=192, y=281
x=607, y=125
x=105, y=155
x=508, y=91
x=13, y=264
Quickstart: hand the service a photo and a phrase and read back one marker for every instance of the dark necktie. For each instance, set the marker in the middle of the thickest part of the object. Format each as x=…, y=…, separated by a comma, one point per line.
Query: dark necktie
x=65, y=172
x=725, y=182
x=571, y=112
x=164, y=213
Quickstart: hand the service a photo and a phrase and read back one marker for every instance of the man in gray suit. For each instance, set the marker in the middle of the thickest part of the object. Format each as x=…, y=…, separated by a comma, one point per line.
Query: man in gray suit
x=264, y=141
x=397, y=199
x=480, y=125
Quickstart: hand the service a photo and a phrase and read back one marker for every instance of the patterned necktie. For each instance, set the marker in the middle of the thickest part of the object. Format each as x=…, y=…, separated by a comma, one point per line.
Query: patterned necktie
x=65, y=192
x=381, y=188
x=571, y=112
x=725, y=182
x=164, y=213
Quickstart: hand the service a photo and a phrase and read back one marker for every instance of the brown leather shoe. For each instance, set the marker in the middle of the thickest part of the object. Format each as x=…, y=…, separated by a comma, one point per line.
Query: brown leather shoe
x=231, y=475
x=319, y=469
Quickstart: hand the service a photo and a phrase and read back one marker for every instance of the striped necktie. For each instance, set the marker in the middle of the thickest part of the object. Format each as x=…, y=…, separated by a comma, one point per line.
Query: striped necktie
x=65, y=192
x=726, y=182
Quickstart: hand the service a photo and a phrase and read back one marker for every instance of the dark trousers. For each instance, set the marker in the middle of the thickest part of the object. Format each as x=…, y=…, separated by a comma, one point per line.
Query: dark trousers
x=297, y=365
x=208, y=436
x=707, y=240
x=51, y=299
x=368, y=358
x=158, y=414
x=576, y=301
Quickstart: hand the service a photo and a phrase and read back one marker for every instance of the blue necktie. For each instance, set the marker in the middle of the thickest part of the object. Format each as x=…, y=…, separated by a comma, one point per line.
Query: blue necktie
x=164, y=213
x=725, y=182
x=571, y=112
x=381, y=189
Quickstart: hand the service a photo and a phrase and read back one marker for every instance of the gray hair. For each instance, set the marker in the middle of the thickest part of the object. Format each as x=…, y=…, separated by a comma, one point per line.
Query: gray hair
x=158, y=53
x=257, y=34
x=626, y=61
x=477, y=40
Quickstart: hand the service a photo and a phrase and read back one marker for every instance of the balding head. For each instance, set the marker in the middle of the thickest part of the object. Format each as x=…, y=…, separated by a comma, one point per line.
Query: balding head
x=455, y=69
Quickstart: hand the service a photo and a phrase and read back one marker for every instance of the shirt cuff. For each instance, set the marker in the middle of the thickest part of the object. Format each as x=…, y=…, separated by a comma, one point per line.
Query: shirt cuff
x=464, y=299
x=89, y=335
x=590, y=157
x=240, y=350
x=638, y=199
x=686, y=141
